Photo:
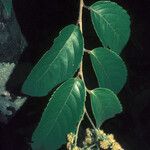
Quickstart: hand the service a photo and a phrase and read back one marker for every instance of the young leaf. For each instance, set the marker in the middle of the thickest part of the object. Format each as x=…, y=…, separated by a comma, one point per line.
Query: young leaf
x=61, y=116
x=110, y=69
x=111, y=23
x=8, y=6
x=105, y=105
x=58, y=64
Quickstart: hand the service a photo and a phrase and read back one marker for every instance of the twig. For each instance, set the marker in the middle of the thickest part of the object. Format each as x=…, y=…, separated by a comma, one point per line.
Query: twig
x=80, y=73
x=90, y=119
x=87, y=51
x=78, y=127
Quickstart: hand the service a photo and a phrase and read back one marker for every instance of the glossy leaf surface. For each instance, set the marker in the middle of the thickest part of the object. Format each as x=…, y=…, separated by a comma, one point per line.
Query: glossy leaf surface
x=61, y=116
x=110, y=69
x=111, y=23
x=105, y=105
x=58, y=64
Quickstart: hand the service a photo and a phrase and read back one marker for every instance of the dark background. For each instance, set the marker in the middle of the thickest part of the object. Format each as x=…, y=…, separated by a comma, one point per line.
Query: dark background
x=40, y=22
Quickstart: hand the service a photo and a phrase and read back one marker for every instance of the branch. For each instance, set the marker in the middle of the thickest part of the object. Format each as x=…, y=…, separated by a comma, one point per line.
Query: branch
x=80, y=73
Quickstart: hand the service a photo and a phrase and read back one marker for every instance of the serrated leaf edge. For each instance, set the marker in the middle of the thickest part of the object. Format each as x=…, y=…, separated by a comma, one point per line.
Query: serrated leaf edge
x=114, y=30
x=114, y=53
x=75, y=79
x=60, y=33
x=118, y=102
x=110, y=92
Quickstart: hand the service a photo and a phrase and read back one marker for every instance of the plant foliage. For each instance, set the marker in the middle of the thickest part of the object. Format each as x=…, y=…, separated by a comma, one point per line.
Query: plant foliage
x=109, y=68
x=58, y=64
x=111, y=23
x=66, y=107
x=105, y=105
x=61, y=115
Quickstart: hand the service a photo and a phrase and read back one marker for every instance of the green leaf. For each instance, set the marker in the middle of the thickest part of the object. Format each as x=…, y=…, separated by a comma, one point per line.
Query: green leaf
x=58, y=64
x=110, y=69
x=105, y=105
x=111, y=23
x=61, y=116
x=8, y=6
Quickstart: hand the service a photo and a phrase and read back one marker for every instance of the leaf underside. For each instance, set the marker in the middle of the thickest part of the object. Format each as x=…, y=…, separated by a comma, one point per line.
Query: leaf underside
x=111, y=23
x=61, y=116
x=105, y=105
x=110, y=69
x=58, y=64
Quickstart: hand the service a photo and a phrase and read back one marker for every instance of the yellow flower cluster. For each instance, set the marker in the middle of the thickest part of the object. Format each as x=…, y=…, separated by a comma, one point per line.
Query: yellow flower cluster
x=100, y=133
x=104, y=144
x=88, y=132
x=92, y=138
x=110, y=137
x=88, y=138
x=70, y=144
x=107, y=141
x=76, y=148
x=71, y=147
x=70, y=137
x=116, y=146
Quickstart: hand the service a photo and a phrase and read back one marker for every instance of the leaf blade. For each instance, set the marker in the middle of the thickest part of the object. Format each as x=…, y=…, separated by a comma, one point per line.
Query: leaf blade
x=58, y=64
x=105, y=105
x=63, y=111
x=111, y=23
x=109, y=68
